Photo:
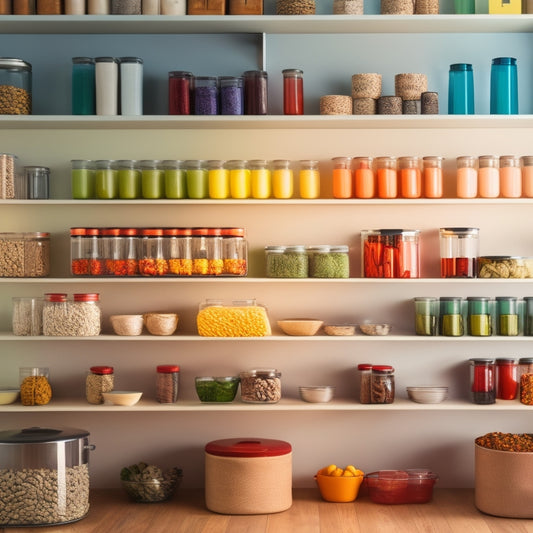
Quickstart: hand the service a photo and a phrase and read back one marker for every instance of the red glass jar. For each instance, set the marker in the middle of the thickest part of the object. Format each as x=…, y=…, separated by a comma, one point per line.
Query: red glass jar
x=506, y=379
x=180, y=87
x=482, y=382
x=293, y=92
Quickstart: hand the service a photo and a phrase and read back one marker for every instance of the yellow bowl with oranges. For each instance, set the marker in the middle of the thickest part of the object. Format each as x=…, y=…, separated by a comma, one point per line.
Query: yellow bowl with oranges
x=339, y=485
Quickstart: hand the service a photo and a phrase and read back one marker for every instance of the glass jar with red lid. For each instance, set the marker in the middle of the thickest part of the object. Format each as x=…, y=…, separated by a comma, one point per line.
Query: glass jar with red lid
x=84, y=315
x=234, y=252
x=93, y=250
x=99, y=379
x=110, y=249
x=127, y=263
x=382, y=387
x=167, y=383
x=365, y=382
x=152, y=261
x=506, y=378
x=178, y=251
x=79, y=262
x=55, y=309
x=482, y=381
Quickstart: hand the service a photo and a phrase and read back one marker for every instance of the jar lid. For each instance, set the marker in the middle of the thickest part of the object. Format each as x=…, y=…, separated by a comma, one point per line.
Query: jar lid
x=275, y=249
x=56, y=297
x=180, y=74
x=168, y=369
x=525, y=361
x=130, y=60
x=78, y=231
x=111, y=231
x=382, y=369
x=170, y=232
x=364, y=366
x=39, y=434
x=152, y=232
x=232, y=232
x=101, y=370
x=248, y=447
x=128, y=231
x=86, y=297
x=319, y=248
x=460, y=232
x=77, y=60
x=261, y=372
x=296, y=248
x=199, y=231
x=105, y=59
x=341, y=248
x=504, y=61
x=506, y=361
x=11, y=62
x=482, y=361
x=461, y=67
x=92, y=232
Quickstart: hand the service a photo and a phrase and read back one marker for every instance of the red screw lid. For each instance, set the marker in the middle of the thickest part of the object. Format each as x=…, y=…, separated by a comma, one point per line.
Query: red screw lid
x=102, y=370
x=168, y=369
x=365, y=366
x=92, y=231
x=110, y=231
x=382, y=368
x=248, y=447
x=78, y=231
x=233, y=232
x=199, y=231
x=128, y=231
x=152, y=232
x=56, y=297
x=86, y=297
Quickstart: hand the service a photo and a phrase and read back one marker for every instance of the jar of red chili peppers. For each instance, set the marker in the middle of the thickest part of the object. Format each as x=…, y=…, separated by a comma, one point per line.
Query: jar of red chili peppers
x=482, y=382
x=506, y=378
x=152, y=261
x=127, y=263
x=390, y=253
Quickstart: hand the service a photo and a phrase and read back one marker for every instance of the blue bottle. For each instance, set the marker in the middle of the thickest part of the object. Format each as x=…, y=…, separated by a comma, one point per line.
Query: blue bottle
x=461, y=89
x=504, y=86
x=83, y=86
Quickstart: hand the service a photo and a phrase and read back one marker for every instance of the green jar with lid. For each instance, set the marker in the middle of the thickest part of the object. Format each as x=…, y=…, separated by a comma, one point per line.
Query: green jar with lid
x=286, y=261
x=479, y=317
x=507, y=316
x=426, y=315
x=328, y=261
x=451, y=323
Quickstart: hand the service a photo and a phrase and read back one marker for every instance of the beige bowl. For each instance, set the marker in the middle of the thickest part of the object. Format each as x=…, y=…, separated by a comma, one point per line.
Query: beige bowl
x=122, y=397
x=317, y=394
x=127, y=324
x=375, y=329
x=161, y=323
x=339, y=329
x=8, y=396
x=300, y=326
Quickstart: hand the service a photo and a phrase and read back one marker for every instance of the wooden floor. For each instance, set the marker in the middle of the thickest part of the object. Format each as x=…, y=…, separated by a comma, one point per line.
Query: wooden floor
x=450, y=511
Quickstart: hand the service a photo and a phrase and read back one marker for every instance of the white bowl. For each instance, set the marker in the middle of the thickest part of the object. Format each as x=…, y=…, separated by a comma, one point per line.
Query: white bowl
x=317, y=394
x=127, y=324
x=8, y=396
x=122, y=397
x=427, y=394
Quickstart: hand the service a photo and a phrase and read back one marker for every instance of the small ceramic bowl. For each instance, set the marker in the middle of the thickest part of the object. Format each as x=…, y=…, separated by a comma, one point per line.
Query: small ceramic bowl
x=8, y=396
x=317, y=394
x=161, y=323
x=338, y=489
x=127, y=324
x=122, y=397
x=427, y=394
x=375, y=329
x=300, y=326
x=339, y=329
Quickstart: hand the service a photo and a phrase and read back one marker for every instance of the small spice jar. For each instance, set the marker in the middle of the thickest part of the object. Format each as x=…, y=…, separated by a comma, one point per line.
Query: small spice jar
x=328, y=261
x=129, y=179
x=479, y=317
x=510, y=176
x=410, y=86
x=106, y=179
x=234, y=252
x=231, y=95
x=261, y=385
x=167, y=383
x=282, y=179
x=240, y=185
x=152, y=260
x=488, y=177
x=506, y=378
x=99, y=379
x=205, y=95
x=178, y=251
x=293, y=92
x=451, y=323
x=175, y=179
x=309, y=179
x=152, y=179
x=8, y=172
x=482, y=381
x=426, y=316
x=410, y=177
x=382, y=385
x=180, y=88
x=387, y=177
x=525, y=379
x=197, y=179
x=286, y=261
x=261, y=179
x=507, y=316
x=365, y=382
x=364, y=178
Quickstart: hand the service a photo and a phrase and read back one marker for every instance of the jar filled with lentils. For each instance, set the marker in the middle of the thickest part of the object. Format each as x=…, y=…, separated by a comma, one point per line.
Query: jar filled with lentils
x=262, y=385
x=99, y=379
x=295, y=7
x=167, y=383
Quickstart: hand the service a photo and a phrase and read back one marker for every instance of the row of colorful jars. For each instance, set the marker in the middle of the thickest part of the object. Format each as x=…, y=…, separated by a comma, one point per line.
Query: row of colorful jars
x=194, y=179
x=158, y=252
x=479, y=316
x=490, y=176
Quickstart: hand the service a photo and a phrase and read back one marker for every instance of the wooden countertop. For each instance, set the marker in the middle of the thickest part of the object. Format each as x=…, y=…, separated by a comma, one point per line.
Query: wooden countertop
x=450, y=511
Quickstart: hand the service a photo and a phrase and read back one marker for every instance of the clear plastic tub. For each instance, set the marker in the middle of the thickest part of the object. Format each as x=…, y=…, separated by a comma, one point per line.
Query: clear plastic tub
x=401, y=486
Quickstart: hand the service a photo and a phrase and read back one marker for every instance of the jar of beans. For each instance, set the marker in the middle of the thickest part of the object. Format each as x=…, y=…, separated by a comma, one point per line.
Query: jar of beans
x=328, y=261
x=286, y=261
x=15, y=87
x=261, y=385
x=167, y=383
x=99, y=379
x=382, y=384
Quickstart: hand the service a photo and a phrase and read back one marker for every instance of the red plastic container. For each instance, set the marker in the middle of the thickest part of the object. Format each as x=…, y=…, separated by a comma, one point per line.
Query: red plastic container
x=401, y=486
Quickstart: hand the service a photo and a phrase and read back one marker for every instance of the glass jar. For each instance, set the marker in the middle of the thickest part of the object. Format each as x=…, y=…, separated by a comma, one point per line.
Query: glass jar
x=525, y=380
x=27, y=319
x=451, y=321
x=467, y=177
x=128, y=262
x=152, y=179
x=131, y=86
x=262, y=385
x=83, y=86
x=205, y=95
x=382, y=388
x=348, y=7
x=527, y=176
x=218, y=177
x=129, y=179
x=197, y=179
x=433, y=177
x=282, y=179
x=167, y=383
x=293, y=92
x=94, y=252
x=286, y=262
x=459, y=252
x=82, y=179
x=84, y=316
x=37, y=181
x=110, y=238
x=79, y=261
x=35, y=386
x=342, y=177
x=180, y=90
x=16, y=87
x=125, y=7
x=24, y=255
x=504, y=86
x=106, y=179
x=387, y=177
x=234, y=252
x=255, y=92
x=152, y=260
x=328, y=261
x=506, y=379
x=231, y=95
x=528, y=315
x=239, y=179
x=488, y=177
x=507, y=316
x=261, y=179
x=410, y=177
x=200, y=264
x=479, y=317
x=510, y=176
x=364, y=178
x=365, y=382
x=106, y=77
x=309, y=179
x=482, y=382
x=175, y=179
x=8, y=173
x=390, y=253
x=99, y=379
x=426, y=316
x=215, y=263
x=179, y=251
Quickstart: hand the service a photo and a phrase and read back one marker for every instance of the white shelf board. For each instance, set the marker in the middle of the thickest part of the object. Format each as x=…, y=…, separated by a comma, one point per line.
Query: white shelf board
x=273, y=24
x=286, y=405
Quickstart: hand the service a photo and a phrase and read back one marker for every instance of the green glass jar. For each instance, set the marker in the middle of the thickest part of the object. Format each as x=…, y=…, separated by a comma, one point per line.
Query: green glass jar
x=507, y=316
x=175, y=179
x=451, y=323
x=152, y=180
x=328, y=261
x=129, y=179
x=197, y=179
x=286, y=262
x=106, y=180
x=479, y=317
x=82, y=179
x=426, y=314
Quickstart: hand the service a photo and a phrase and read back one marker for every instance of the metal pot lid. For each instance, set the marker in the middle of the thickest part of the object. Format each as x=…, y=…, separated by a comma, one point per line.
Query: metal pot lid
x=38, y=434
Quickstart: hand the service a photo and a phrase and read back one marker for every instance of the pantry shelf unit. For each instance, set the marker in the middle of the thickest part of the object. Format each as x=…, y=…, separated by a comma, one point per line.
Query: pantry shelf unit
x=273, y=24
x=285, y=405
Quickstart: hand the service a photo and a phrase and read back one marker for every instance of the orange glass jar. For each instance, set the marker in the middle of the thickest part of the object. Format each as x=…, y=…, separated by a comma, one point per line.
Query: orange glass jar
x=364, y=179
x=387, y=177
x=410, y=177
x=342, y=177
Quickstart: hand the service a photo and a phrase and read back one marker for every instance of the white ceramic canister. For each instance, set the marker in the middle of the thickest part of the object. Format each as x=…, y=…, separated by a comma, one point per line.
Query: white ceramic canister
x=106, y=78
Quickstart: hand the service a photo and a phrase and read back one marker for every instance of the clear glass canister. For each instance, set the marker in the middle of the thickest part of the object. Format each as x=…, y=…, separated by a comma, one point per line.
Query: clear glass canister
x=382, y=388
x=510, y=177
x=342, y=177
x=234, y=252
x=525, y=379
x=215, y=263
x=180, y=90
x=390, y=253
x=24, y=255
x=261, y=179
x=365, y=382
x=35, y=388
x=328, y=261
x=262, y=385
x=506, y=378
x=152, y=261
x=82, y=177
x=482, y=381
x=205, y=95
x=8, y=174
x=179, y=252
x=426, y=315
x=231, y=95
x=282, y=179
x=309, y=179
x=467, y=177
x=99, y=379
x=27, y=316
x=507, y=316
x=128, y=261
x=15, y=87
x=255, y=92
x=433, y=178
x=479, y=316
x=79, y=260
x=387, y=177
x=110, y=249
x=37, y=181
x=451, y=320
x=488, y=176
x=459, y=252
x=82, y=317
x=410, y=177
x=167, y=383
x=286, y=261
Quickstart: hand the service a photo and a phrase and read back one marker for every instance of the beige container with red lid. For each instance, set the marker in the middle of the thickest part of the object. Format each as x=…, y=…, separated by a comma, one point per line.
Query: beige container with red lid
x=248, y=476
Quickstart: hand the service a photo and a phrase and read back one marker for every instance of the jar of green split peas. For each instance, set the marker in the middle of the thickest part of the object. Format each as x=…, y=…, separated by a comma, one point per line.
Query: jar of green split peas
x=175, y=179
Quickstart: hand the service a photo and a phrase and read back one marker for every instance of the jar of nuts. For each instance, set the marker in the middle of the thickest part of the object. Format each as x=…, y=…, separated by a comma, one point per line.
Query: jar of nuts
x=262, y=385
x=15, y=87
x=382, y=384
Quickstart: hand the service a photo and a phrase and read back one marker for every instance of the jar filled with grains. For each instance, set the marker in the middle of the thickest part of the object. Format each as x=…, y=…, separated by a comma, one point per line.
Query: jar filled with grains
x=286, y=261
x=24, y=255
x=234, y=252
x=99, y=379
x=261, y=385
x=348, y=7
x=205, y=95
x=27, y=316
x=35, y=388
x=167, y=383
x=152, y=261
x=15, y=87
x=8, y=172
x=328, y=261
x=382, y=386
x=365, y=382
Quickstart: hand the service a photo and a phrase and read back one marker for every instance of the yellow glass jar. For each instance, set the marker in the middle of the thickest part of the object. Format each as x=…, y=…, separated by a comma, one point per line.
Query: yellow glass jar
x=282, y=179
x=218, y=180
x=240, y=182
x=261, y=179
x=309, y=179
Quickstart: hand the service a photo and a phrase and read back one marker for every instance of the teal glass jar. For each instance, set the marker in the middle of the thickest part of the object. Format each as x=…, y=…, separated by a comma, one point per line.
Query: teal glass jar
x=507, y=316
x=479, y=317
x=451, y=322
